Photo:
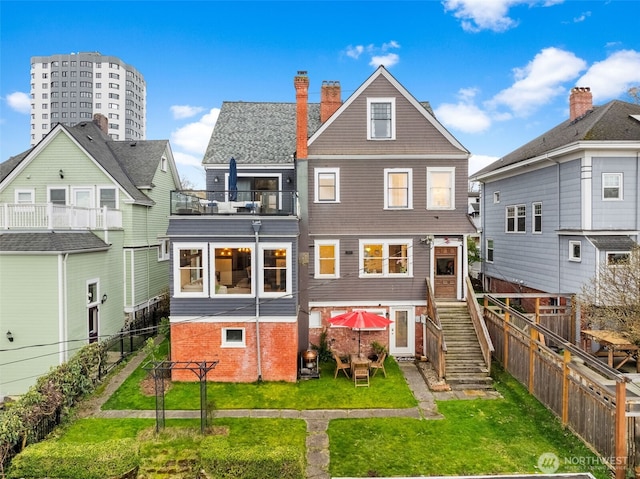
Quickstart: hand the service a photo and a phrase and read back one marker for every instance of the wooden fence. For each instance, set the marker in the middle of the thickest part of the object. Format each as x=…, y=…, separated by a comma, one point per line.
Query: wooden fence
x=595, y=401
x=436, y=348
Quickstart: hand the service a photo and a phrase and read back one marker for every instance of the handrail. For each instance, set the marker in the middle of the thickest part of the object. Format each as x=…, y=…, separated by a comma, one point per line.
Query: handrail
x=486, y=345
x=438, y=356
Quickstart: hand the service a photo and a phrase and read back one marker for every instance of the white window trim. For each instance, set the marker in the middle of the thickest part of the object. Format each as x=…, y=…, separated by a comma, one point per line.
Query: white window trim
x=315, y=319
x=288, y=273
x=493, y=249
x=515, y=219
x=177, y=293
x=439, y=169
x=31, y=192
x=393, y=117
x=91, y=302
x=387, y=172
x=316, y=254
x=534, y=216
x=212, y=249
x=163, y=249
x=620, y=190
x=496, y=197
x=316, y=174
x=576, y=259
x=233, y=344
x=111, y=187
x=163, y=163
x=385, y=258
x=607, y=253
x=66, y=193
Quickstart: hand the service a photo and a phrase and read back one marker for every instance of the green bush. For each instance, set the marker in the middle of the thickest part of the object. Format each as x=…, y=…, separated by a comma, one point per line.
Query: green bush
x=71, y=461
x=224, y=461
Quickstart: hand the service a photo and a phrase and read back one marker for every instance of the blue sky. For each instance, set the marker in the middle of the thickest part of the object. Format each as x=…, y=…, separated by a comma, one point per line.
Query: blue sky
x=496, y=72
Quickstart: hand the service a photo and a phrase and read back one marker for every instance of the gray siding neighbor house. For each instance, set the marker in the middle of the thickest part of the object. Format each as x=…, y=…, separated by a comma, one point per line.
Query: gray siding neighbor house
x=328, y=207
x=560, y=206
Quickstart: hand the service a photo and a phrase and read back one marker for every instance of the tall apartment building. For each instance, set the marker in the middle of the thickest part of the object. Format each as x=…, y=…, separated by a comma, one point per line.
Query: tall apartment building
x=71, y=88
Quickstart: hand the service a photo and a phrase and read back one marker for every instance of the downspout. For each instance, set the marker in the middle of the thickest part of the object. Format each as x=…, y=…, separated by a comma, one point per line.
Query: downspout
x=62, y=306
x=256, y=231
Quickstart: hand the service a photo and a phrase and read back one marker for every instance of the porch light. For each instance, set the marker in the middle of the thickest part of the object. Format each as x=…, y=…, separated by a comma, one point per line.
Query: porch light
x=10, y=336
x=104, y=298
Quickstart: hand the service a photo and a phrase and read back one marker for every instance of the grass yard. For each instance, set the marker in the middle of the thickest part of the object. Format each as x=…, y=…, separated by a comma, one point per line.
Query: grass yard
x=323, y=393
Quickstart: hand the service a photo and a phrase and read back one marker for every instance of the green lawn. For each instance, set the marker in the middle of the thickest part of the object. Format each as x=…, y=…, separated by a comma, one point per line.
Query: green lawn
x=323, y=393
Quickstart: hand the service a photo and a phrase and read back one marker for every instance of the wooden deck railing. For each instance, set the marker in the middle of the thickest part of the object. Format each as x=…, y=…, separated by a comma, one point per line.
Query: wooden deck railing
x=478, y=323
x=436, y=345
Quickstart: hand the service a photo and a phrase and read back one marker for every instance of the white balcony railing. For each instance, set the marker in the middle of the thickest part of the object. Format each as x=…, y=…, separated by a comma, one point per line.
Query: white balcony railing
x=50, y=216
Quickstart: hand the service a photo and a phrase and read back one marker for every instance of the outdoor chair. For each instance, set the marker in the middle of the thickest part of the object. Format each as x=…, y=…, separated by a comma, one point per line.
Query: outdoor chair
x=361, y=374
x=379, y=364
x=341, y=366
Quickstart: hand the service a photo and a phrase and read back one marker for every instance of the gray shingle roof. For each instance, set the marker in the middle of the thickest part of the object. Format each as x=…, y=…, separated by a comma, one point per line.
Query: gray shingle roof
x=257, y=133
x=51, y=241
x=9, y=165
x=130, y=154
x=611, y=121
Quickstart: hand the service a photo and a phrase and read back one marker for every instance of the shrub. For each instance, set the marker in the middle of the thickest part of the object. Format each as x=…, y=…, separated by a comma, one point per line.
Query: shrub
x=100, y=461
x=224, y=461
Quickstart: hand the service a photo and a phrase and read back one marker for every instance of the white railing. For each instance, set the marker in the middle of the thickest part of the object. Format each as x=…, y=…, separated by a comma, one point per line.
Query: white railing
x=50, y=216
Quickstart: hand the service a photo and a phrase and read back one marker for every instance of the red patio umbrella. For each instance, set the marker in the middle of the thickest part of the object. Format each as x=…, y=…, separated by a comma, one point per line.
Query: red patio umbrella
x=359, y=319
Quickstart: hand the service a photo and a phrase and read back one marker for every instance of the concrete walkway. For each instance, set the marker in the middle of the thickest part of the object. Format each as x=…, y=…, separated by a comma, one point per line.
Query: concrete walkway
x=317, y=420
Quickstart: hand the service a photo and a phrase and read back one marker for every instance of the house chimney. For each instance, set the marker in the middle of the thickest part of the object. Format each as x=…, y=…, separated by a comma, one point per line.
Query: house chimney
x=580, y=102
x=301, y=82
x=102, y=122
x=329, y=99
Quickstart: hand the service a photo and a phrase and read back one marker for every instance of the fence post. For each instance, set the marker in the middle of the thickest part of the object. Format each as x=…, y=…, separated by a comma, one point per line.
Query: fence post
x=533, y=337
x=621, y=430
x=565, y=387
x=505, y=347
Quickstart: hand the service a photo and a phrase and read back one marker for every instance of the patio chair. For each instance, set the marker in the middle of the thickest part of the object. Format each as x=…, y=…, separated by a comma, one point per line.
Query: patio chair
x=360, y=374
x=379, y=364
x=341, y=366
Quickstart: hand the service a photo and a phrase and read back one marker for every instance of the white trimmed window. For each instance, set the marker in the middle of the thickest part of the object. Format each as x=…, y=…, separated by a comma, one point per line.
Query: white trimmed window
x=489, y=251
x=611, y=186
x=233, y=338
x=441, y=188
x=163, y=249
x=326, y=259
x=575, y=251
x=516, y=219
x=275, y=275
x=315, y=319
x=386, y=258
x=163, y=164
x=327, y=185
x=190, y=266
x=108, y=198
x=398, y=188
x=57, y=196
x=381, y=114
x=536, y=226
x=232, y=266
x=496, y=197
x=615, y=258
x=25, y=197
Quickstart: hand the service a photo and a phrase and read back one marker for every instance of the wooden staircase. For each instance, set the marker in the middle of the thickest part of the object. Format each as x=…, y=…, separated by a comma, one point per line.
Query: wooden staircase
x=465, y=366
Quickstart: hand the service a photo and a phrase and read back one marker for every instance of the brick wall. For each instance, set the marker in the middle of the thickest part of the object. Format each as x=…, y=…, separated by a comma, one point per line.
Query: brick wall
x=202, y=342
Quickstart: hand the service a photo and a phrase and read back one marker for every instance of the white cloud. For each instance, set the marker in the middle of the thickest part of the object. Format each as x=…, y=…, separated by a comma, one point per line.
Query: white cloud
x=185, y=111
x=194, y=137
x=464, y=116
x=477, y=162
x=478, y=15
x=540, y=81
x=379, y=55
x=387, y=60
x=19, y=101
x=614, y=76
x=185, y=159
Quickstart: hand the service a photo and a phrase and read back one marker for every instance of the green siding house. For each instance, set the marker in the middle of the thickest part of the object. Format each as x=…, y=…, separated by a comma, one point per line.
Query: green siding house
x=83, y=245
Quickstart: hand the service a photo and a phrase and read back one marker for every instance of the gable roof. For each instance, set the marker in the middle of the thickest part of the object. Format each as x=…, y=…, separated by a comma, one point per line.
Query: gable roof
x=257, y=133
x=423, y=107
x=613, y=121
x=51, y=242
x=132, y=167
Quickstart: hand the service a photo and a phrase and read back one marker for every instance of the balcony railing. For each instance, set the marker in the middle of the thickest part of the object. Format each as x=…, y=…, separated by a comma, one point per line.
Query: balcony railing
x=224, y=202
x=51, y=216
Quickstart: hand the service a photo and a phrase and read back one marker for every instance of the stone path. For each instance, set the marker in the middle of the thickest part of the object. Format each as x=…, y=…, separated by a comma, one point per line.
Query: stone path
x=317, y=420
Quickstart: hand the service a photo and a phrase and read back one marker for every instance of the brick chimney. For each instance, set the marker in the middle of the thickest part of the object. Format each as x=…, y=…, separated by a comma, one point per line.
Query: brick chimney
x=102, y=122
x=580, y=102
x=329, y=99
x=301, y=82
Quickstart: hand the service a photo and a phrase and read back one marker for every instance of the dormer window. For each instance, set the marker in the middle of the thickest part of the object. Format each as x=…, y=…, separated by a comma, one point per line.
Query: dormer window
x=381, y=114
